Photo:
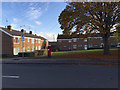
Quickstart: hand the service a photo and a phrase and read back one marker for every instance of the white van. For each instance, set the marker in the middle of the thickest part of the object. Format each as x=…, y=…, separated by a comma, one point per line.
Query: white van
x=118, y=45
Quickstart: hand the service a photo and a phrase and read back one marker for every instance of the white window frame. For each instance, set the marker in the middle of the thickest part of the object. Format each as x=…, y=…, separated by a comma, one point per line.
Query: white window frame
x=90, y=39
x=14, y=40
x=28, y=39
x=16, y=51
x=38, y=41
x=32, y=49
x=39, y=47
x=65, y=46
x=74, y=39
x=96, y=45
x=85, y=40
x=28, y=49
x=90, y=45
x=32, y=40
x=101, y=38
x=70, y=41
x=23, y=49
x=80, y=45
x=74, y=46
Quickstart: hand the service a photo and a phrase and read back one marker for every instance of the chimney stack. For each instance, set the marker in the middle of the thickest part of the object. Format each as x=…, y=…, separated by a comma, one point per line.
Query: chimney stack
x=22, y=30
x=30, y=32
x=9, y=27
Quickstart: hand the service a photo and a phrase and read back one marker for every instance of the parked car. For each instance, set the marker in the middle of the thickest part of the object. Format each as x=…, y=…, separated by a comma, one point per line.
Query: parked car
x=118, y=45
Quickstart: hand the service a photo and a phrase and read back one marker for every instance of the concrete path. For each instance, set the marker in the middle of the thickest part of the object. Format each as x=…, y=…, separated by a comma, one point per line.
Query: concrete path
x=56, y=61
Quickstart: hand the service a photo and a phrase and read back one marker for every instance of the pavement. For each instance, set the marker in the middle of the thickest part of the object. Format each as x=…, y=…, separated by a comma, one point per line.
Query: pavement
x=20, y=60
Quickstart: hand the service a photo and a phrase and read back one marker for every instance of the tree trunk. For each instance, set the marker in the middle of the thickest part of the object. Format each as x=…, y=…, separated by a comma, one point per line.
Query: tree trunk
x=106, y=45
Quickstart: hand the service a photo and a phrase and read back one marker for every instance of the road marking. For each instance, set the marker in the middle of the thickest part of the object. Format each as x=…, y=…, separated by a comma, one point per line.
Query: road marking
x=11, y=77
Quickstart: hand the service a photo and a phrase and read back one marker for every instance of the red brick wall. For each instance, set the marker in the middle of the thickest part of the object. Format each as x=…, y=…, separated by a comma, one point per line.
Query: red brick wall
x=80, y=43
x=30, y=44
x=64, y=45
x=7, y=45
x=95, y=42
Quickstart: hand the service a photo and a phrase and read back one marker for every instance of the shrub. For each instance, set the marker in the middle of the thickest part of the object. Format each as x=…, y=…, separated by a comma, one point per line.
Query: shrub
x=113, y=46
x=26, y=54
x=41, y=52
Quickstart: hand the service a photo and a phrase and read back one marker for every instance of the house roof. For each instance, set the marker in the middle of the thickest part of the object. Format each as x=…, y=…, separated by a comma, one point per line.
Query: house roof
x=81, y=36
x=63, y=37
x=69, y=37
x=53, y=43
x=19, y=33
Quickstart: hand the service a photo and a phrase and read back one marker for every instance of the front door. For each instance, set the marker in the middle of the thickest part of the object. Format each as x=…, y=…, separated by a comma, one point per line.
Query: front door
x=16, y=51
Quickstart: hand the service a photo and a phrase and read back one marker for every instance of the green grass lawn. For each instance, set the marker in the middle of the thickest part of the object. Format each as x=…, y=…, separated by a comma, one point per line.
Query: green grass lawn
x=94, y=53
x=79, y=51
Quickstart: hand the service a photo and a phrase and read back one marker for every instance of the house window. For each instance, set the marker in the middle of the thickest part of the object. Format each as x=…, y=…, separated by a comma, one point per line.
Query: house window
x=85, y=40
x=90, y=45
x=65, y=46
x=16, y=40
x=28, y=48
x=90, y=39
x=38, y=41
x=32, y=40
x=36, y=47
x=80, y=45
x=112, y=43
x=70, y=41
x=95, y=45
x=101, y=38
x=23, y=49
x=28, y=40
x=16, y=51
x=74, y=46
x=59, y=40
x=32, y=48
x=74, y=39
x=39, y=47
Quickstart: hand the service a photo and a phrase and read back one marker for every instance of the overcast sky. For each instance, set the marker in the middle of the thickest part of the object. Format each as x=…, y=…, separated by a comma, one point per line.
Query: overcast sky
x=40, y=17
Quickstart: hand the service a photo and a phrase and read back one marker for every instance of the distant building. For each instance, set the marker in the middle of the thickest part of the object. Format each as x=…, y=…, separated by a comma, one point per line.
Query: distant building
x=12, y=44
x=68, y=43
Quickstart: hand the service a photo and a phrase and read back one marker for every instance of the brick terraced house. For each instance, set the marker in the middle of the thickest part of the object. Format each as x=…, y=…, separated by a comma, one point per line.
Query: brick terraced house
x=12, y=44
x=68, y=43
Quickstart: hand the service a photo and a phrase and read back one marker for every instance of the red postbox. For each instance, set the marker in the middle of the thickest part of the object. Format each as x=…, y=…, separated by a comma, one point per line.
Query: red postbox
x=49, y=51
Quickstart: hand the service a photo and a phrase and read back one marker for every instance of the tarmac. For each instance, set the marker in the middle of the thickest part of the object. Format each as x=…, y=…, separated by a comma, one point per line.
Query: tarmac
x=21, y=60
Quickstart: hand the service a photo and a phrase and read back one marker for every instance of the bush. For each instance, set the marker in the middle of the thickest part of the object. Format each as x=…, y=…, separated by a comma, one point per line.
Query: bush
x=41, y=52
x=26, y=54
x=113, y=46
x=36, y=53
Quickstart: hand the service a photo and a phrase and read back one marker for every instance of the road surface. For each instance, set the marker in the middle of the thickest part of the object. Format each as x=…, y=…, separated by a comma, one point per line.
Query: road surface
x=59, y=76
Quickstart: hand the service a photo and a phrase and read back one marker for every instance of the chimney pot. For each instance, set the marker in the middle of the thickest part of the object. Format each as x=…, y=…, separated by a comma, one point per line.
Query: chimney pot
x=9, y=27
x=30, y=32
x=22, y=30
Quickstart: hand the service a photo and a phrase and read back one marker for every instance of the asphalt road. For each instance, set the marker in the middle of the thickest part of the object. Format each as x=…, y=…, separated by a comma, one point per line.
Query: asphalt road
x=59, y=76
